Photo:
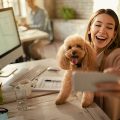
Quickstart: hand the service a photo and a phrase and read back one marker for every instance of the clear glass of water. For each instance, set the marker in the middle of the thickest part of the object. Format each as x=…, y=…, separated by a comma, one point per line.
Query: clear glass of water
x=21, y=98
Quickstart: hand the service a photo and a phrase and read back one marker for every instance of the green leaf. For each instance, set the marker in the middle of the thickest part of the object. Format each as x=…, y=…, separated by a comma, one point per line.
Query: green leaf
x=67, y=13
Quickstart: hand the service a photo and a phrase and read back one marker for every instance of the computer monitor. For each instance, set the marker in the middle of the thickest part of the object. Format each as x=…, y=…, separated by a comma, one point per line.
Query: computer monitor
x=10, y=44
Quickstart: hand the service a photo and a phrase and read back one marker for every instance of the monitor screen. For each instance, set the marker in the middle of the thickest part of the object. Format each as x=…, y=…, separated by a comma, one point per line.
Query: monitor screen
x=10, y=44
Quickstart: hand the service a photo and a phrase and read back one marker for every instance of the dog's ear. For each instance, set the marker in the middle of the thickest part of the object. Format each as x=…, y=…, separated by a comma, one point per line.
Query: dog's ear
x=62, y=60
x=90, y=57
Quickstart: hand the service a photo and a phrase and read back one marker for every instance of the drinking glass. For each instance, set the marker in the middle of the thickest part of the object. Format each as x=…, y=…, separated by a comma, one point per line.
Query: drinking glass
x=22, y=91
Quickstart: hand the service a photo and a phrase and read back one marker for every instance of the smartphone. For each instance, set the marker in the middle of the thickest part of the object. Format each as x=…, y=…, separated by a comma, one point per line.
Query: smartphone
x=85, y=81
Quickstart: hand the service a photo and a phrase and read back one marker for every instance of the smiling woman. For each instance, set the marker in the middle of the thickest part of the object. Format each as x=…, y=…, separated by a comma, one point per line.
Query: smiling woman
x=103, y=33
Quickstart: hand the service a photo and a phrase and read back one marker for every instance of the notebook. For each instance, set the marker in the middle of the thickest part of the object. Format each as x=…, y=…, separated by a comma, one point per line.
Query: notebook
x=48, y=81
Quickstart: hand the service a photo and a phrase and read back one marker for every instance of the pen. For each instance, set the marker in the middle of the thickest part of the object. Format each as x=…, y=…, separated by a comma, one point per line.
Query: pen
x=52, y=80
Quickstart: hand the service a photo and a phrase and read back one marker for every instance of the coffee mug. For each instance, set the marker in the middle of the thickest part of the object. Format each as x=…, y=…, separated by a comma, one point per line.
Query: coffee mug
x=3, y=114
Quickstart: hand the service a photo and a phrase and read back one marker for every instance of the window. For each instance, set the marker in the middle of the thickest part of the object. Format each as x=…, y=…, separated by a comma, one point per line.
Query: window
x=19, y=6
x=0, y=3
x=12, y=3
x=105, y=4
x=23, y=8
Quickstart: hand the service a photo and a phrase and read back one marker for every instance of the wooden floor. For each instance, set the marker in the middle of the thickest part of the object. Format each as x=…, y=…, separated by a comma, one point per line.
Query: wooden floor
x=51, y=50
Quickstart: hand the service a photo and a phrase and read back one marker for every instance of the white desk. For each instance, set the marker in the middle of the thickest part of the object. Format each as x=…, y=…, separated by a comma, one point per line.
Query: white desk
x=27, y=37
x=33, y=34
x=42, y=106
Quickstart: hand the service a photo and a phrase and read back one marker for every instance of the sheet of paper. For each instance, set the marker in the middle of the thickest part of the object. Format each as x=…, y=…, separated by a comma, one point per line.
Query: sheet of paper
x=83, y=81
x=51, y=83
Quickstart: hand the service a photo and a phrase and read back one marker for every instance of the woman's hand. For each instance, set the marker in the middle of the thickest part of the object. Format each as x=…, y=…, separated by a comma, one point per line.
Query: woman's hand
x=109, y=88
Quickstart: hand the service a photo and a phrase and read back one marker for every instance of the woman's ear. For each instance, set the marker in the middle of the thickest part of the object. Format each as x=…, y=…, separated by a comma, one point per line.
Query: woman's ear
x=89, y=30
x=62, y=60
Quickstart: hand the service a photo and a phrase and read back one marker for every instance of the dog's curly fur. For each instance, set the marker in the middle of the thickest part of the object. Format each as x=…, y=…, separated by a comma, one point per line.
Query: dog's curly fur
x=75, y=54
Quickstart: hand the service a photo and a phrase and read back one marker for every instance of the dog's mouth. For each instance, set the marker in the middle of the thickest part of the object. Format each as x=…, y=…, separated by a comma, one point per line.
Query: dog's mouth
x=74, y=60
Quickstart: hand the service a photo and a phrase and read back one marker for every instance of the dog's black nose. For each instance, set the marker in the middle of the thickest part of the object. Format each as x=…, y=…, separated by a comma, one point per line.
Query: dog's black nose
x=74, y=53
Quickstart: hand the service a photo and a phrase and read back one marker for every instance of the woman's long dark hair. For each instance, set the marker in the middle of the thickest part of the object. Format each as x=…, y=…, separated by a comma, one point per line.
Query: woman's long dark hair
x=115, y=43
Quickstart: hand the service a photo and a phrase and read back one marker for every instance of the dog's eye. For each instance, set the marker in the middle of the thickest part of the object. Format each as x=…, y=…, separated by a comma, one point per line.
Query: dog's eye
x=69, y=47
x=78, y=46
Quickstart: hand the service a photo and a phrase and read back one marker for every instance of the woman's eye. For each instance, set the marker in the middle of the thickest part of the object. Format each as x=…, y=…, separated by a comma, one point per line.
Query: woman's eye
x=109, y=28
x=98, y=25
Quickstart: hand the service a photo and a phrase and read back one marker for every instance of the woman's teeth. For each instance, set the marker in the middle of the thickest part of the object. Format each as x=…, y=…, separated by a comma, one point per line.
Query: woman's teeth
x=100, y=38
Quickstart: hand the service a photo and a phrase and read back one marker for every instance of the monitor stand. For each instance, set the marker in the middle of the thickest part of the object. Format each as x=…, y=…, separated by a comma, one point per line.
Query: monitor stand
x=7, y=71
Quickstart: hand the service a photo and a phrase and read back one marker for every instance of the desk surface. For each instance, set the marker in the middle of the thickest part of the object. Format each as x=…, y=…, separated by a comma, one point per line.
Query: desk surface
x=44, y=108
x=42, y=105
x=9, y=95
x=32, y=34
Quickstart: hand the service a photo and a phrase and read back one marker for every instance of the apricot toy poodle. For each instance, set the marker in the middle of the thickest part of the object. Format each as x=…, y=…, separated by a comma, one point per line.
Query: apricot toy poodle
x=75, y=54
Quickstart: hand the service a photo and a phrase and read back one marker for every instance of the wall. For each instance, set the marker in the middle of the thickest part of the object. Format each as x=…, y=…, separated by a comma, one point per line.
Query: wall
x=118, y=9
x=83, y=8
x=40, y=3
x=50, y=7
x=63, y=28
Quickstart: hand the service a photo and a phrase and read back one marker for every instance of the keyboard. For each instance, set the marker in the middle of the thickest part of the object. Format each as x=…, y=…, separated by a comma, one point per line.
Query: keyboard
x=34, y=72
x=41, y=79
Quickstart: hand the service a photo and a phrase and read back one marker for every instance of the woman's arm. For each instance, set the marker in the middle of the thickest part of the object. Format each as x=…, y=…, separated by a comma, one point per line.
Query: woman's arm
x=112, y=66
x=110, y=89
x=112, y=62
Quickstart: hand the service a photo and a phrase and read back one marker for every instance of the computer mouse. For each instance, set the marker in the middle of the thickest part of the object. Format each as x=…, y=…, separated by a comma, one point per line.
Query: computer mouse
x=53, y=68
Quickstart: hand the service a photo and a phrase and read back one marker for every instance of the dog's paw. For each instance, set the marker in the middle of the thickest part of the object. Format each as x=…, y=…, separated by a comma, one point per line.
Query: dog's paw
x=87, y=99
x=85, y=104
x=59, y=102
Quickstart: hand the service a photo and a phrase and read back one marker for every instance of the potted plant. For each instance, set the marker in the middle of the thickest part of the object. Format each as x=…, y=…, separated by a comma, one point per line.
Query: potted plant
x=67, y=13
